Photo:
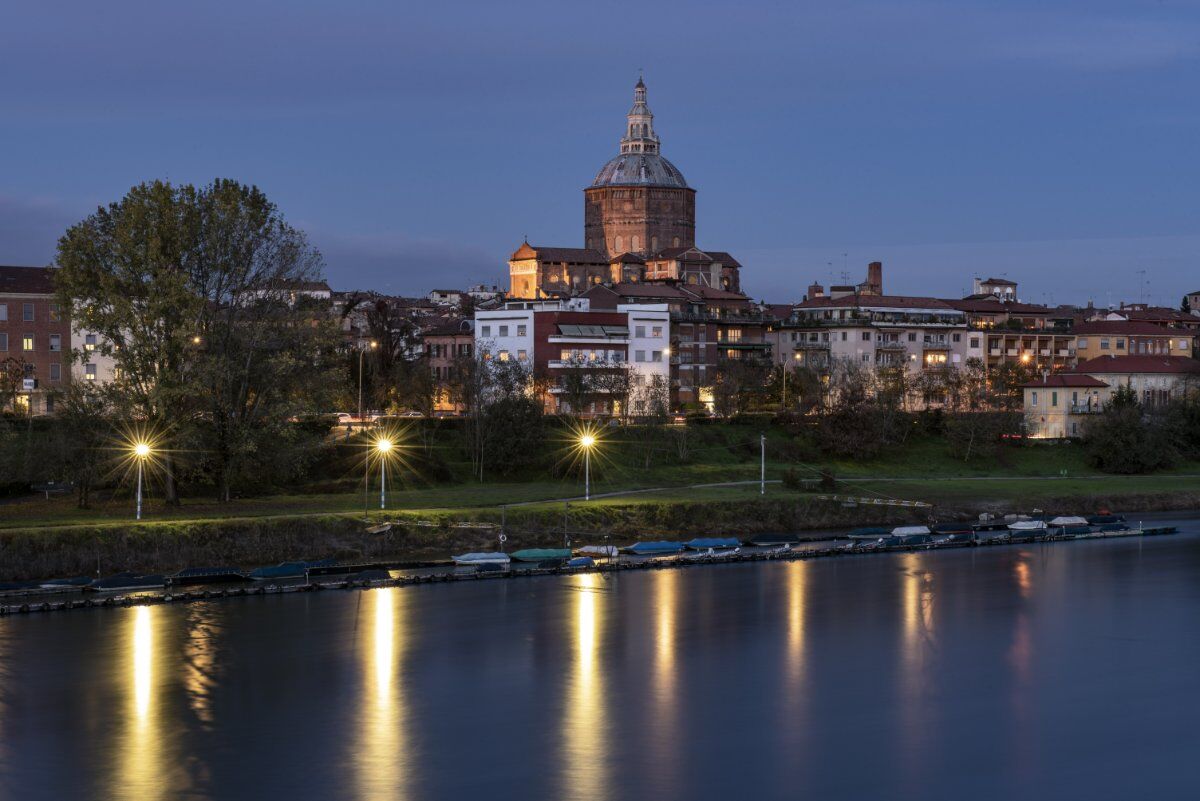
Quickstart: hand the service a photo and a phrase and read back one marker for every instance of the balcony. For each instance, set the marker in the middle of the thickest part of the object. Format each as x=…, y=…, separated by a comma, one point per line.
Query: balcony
x=1094, y=408
x=892, y=345
x=588, y=338
x=811, y=346
x=599, y=364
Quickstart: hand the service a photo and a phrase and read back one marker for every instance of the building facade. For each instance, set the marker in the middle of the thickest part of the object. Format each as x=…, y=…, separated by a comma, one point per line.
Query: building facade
x=35, y=338
x=1128, y=338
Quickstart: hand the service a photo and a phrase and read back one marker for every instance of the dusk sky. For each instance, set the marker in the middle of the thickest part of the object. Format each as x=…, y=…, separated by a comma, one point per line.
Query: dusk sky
x=1051, y=142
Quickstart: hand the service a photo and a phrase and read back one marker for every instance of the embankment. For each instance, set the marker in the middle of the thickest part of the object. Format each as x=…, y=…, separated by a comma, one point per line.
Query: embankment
x=162, y=547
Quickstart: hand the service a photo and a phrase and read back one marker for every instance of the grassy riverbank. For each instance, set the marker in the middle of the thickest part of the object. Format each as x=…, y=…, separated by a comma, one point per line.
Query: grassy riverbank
x=53, y=540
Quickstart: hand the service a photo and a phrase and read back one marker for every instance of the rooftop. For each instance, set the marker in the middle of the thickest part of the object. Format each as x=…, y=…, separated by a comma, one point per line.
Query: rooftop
x=1067, y=380
x=27, y=280
x=1169, y=365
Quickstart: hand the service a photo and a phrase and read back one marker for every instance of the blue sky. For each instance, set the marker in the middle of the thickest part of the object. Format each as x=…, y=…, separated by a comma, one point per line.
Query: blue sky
x=1054, y=142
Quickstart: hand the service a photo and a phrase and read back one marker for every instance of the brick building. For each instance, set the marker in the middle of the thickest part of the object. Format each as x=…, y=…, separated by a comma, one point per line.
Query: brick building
x=35, y=336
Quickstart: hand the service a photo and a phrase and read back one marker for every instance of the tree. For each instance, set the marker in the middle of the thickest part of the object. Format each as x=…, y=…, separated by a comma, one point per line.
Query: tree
x=977, y=434
x=1121, y=439
x=193, y=293
x=12, y=380
x=84, y=416
x=737, y=384
x=1006, y=385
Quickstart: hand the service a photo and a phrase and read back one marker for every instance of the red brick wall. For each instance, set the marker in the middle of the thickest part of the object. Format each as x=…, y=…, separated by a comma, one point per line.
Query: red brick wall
x=41, y=327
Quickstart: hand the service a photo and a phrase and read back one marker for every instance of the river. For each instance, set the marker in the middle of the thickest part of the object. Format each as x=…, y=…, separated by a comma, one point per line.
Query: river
x=1056, y=671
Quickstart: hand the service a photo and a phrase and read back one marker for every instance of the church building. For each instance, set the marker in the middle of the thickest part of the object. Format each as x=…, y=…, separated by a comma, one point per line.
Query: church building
x=639, y=224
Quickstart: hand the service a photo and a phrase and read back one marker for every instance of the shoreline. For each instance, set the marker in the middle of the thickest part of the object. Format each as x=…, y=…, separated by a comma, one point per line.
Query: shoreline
x=363, y=581
x=152, y=547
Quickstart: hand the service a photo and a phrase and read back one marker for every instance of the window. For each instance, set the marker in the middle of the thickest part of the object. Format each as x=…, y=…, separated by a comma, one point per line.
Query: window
x=487, y=331
x=522, y=355
x=656, y=356
x=89, y=342
x=912, y=336
x=55, y=313
x=639, y=355
x=504, y=330
x=974, y=343
x=656, y=331
x=866, y=357
x=1053, y=398
x=1120, y=344
x=843, y=336
x=866, y=336
x=27, y=342
x=4, y=312
x=639, y=331
x=1034, y=403
x=3, y=342
x=27, y=312
x=1082, y=342
x=502, y=355
x=521, y=330
x=55, y=371
x=958, y=337
x=55, y=343
x=89, y=372
x=1104, y=344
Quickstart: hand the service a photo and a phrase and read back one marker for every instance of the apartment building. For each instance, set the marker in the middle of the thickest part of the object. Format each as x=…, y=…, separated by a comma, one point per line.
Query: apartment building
x=552, y=339
x=879, y=330
x=35, y=337
x=1057, y=406
x=1130, y=338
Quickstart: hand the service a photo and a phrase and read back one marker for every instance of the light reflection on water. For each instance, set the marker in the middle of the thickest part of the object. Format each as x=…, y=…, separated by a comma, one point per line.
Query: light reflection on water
x=584, y=759
x=381, y=760
x=990, y=674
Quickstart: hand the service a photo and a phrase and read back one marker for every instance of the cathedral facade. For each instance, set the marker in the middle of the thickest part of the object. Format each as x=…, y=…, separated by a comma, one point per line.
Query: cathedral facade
x=639, y=224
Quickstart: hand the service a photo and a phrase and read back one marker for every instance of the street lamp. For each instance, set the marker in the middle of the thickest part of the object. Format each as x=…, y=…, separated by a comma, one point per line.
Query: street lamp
x=141, y=451
x=587, y=442
x=383, y=447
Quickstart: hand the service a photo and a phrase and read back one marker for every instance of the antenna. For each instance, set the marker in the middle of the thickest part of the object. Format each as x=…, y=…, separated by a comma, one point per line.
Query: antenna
x=1142, y=285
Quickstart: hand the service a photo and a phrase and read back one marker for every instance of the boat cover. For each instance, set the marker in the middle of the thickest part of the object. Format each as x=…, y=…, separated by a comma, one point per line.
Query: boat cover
x=700, y=543
x=1028, y=525
x=656, y=547
x=908, y=531
x=599, y=550
x=1069, y=520
x=492, y=556
x=541, y=554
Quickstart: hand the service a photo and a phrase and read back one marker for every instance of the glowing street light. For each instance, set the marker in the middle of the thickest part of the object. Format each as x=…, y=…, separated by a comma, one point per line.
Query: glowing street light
x=383, y=447
x=141, y=452
x=587, y=442
x=361, y=351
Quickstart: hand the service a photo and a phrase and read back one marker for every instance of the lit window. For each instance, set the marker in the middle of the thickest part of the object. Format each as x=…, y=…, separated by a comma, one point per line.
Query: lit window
x=656, y=331
x=55, y=313
x=522, y=355
x=27, y=342
x=89, y=372
x=502, y=355
x=89, y=342
x=521, y=330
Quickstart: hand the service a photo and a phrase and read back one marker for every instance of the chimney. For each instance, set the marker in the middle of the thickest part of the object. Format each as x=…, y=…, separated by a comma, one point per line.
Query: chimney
x=815, y=290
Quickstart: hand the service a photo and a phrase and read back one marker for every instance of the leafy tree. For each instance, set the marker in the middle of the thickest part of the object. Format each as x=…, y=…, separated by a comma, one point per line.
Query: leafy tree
x=193, y=292
x=1121, y=439
x=84, y=416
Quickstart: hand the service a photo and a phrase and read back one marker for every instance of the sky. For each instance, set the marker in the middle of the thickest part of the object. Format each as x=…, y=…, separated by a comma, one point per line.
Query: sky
x=1053, y=142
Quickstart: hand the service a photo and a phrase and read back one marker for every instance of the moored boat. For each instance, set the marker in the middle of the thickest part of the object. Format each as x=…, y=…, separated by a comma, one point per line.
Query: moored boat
x=286, y=570
x=581, y=561
x=654, y=548
x=869, y=533
x=599, y=551
x=76, y=583
x=207, y=575
x=712, y=543
x=482, y=558
x=540, y=554
x=127, y=582
x=767, y=540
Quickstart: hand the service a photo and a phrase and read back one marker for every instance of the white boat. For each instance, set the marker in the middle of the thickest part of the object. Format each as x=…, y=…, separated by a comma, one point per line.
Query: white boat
x=601, y=551
x=482, y=558
x=1028, y=525
x=1068, y=520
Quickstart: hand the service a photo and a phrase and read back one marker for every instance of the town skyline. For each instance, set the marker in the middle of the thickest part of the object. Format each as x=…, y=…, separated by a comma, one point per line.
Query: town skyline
x=1043, y=156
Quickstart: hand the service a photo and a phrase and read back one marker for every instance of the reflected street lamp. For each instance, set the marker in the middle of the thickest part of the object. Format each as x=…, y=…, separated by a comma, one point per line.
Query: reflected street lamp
x=141, y=452
x=587, y=442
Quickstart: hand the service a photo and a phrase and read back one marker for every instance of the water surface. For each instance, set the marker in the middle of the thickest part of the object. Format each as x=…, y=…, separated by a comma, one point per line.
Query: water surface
x=1067, y=670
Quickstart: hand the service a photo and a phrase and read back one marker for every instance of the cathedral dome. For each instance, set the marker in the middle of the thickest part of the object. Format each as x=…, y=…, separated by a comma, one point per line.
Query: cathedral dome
x=640, y=169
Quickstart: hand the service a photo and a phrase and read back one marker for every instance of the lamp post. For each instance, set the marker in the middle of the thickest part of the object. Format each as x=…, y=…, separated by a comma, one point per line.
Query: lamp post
x=795, y=357
x=362, y=351
x=587, y=441
x=140, y=452
x=762, y=474
x=383, y=446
